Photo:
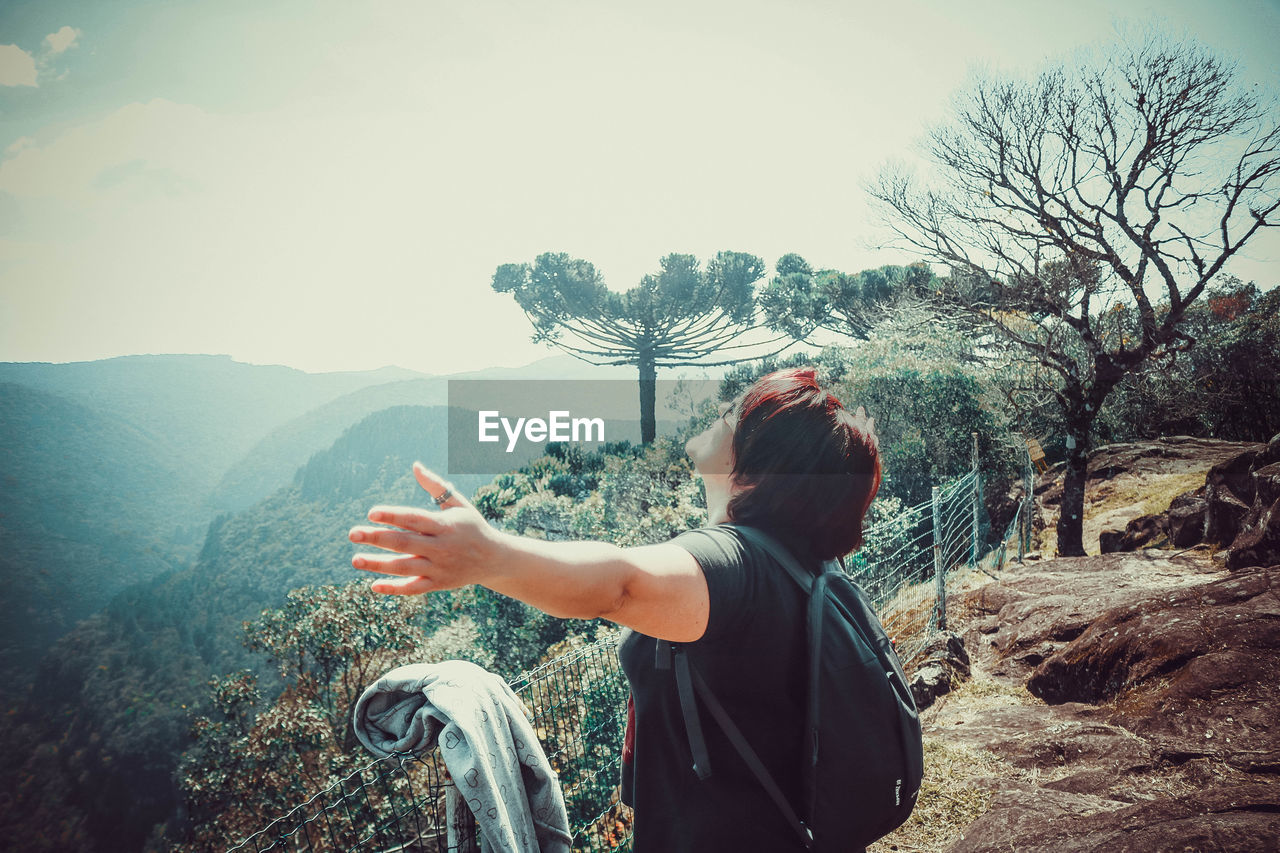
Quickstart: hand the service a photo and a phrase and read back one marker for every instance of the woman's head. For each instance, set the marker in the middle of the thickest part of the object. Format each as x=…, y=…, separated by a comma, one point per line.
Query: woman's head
x=800, y=464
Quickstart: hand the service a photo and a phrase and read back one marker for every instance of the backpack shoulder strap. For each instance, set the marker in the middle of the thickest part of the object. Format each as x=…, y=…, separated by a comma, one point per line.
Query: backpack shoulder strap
x=688, y=680
x=816, y=587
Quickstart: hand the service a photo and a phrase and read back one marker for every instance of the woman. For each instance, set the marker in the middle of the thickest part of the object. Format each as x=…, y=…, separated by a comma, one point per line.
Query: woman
x=785, y=457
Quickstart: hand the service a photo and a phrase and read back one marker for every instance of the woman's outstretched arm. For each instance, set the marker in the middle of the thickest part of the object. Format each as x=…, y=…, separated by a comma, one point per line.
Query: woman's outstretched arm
x=658, y=590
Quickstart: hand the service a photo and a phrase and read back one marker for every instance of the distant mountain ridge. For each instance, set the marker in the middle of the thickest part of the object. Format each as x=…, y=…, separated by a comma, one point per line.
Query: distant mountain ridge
x=205, y=411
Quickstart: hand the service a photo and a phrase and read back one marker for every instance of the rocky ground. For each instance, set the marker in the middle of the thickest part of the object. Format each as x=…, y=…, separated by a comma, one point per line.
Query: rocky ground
x=1126, y=701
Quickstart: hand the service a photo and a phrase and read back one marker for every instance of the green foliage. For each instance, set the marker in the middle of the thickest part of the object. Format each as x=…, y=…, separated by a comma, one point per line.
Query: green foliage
x=737, y=378
x=798, y=300
x=1224, y=384
x=335, y=637
x=927, y=395
x=560, y=293
x=1221, y=381
x=926, y=422
x=563, y=471
x=624, y=494
x=116, y=691
x=247, y=768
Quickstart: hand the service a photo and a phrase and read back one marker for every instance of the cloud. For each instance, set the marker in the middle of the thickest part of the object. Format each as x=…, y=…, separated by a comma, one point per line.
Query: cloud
x=20, y=143
x=62, y=39
x=17, y=67
x=161, y=144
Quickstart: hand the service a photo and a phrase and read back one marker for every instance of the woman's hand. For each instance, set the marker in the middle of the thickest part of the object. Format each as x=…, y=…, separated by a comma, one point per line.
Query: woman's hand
x=657, y=590
x=428, y=551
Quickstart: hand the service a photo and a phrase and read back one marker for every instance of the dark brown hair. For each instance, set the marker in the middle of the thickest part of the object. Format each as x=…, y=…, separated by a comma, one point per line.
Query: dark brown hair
x=808, y=468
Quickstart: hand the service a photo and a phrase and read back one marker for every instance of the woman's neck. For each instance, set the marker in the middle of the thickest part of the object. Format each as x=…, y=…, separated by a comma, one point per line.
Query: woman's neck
x=718, y=494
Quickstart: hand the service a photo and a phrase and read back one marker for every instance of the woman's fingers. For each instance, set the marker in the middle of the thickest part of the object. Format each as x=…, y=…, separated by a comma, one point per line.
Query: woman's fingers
x=418, y=539
x=437, y=487
x=404, y=586
x=410, y=518
x=412, y=572
x=392, y=564
x=389, y=539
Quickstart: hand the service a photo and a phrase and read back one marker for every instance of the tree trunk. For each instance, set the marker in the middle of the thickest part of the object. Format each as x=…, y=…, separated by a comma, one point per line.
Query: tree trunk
x=1083, y=409
x=1071, y=509
x=648, y=391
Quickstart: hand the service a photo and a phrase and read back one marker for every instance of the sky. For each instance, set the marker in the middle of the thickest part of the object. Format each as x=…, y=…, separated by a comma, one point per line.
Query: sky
x=331, y=185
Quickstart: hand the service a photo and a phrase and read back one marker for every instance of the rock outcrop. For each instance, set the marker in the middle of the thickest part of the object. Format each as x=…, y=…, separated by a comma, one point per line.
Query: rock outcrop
x=1257, y=536
x=1161, y=731
x=945, y=664
x=1133, y=468
x=1237, y=509
x=1181, y=526
x=1237, y=818
x=1195, y=672
x=1128, y=701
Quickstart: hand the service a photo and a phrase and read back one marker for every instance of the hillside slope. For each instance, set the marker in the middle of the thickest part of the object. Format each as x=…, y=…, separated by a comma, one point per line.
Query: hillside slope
x=274, y=459
x=99, y=738
x=88, y=506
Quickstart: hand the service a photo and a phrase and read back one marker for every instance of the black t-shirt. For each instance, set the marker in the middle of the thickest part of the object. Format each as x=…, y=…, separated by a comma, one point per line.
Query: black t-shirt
x=752, y=657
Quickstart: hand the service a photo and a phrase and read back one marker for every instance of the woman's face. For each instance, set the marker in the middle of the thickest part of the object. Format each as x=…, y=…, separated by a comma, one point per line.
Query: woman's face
x=712, y=449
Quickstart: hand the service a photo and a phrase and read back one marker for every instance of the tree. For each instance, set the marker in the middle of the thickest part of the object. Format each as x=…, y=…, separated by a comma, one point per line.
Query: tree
x=680, y=316
x=1061, y=198
x=799, y=300
x=1225, y=386
x=250, y=765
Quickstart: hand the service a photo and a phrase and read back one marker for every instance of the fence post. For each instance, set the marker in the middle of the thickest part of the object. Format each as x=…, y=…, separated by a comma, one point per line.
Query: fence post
x=460, y=826
x=939, y=577
x=1029, y=490
x=1021, y=531
x=977, y=499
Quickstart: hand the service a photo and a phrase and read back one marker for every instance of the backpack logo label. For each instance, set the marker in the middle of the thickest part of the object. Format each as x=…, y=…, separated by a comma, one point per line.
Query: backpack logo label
x=897, y=793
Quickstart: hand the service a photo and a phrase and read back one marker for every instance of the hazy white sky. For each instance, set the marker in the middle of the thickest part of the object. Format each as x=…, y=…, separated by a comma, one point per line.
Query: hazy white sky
x=330, y=185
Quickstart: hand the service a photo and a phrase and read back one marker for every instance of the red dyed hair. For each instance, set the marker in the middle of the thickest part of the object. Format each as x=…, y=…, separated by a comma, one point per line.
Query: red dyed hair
x=808, y=468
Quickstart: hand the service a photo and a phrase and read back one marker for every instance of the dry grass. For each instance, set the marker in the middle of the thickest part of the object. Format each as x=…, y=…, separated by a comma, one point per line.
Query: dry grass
x=1148, y=493
x=949, y=801
x=950, y=798
x=1154, y=493
x=982, y=693
x=906, y=618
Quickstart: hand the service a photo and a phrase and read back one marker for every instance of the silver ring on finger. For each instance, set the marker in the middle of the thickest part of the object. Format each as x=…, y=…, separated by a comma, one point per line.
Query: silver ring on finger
x=444, y=498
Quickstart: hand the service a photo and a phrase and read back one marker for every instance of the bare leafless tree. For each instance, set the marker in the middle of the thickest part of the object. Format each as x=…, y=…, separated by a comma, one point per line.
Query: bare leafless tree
x=1082, y=212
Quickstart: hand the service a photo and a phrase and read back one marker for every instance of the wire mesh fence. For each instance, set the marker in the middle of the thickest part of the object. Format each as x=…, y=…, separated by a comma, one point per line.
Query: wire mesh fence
x=909, y=563
x=578, y=700
x=395, y=803
x=577, y=705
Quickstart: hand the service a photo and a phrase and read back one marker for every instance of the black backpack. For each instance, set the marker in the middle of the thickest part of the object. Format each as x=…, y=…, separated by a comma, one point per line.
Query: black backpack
x=863, y=757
